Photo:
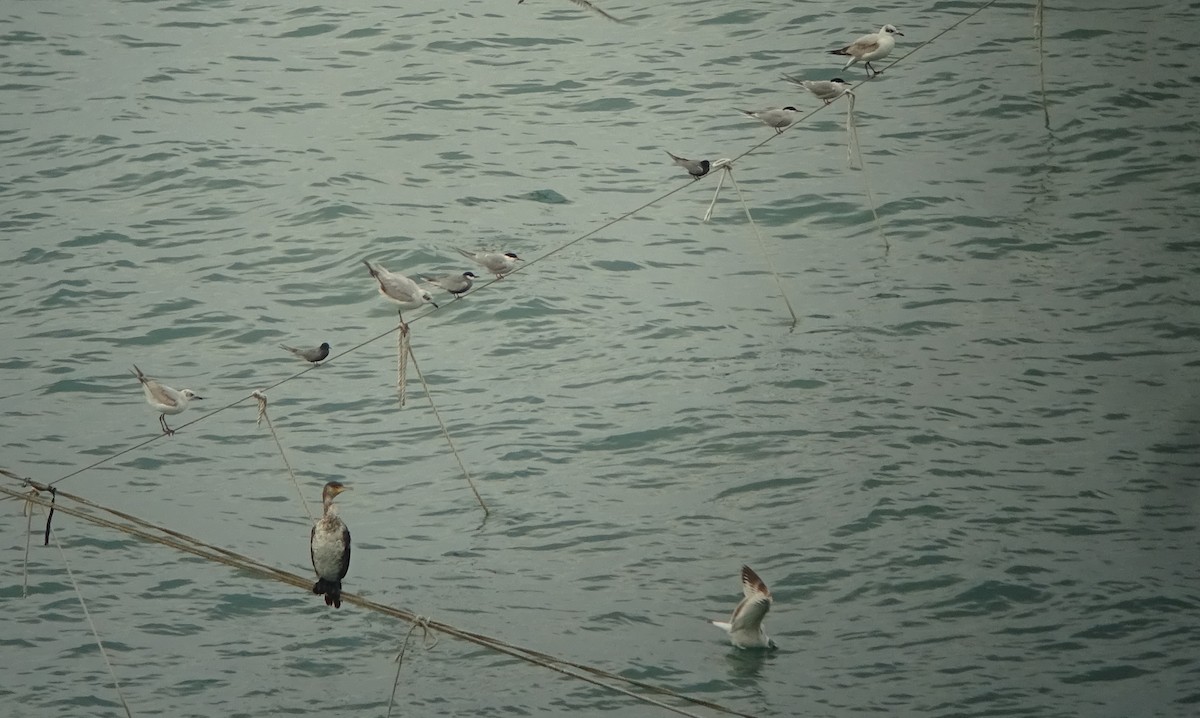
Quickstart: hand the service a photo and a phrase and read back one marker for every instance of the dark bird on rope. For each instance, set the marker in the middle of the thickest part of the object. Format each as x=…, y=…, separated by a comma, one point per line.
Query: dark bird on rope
x=330, y=548
x=697, y=168
x=311, y=355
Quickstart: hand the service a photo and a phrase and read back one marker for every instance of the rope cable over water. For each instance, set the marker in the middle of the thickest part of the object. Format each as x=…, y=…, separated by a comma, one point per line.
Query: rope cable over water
x=182, y=542
x=586, y=235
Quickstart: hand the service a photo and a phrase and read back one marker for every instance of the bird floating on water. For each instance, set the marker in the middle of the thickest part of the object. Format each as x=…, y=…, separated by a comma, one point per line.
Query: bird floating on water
x=314, y=355
x=826, y=90
x=875, y=46
x=745, y=624
x=164, y=399
x=456, y=284
x=495, y=262
x=590, y=6
x=777, y=119
x=329, y=546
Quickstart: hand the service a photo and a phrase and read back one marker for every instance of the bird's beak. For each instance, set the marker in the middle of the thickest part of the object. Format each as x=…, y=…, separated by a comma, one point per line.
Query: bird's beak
x=900, y=33
x=197, y=397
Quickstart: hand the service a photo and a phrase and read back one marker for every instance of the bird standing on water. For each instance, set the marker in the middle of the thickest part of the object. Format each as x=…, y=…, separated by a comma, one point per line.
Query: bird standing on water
x=329, y=545
x=875, y=46
x=745, y=625
x=164, y=399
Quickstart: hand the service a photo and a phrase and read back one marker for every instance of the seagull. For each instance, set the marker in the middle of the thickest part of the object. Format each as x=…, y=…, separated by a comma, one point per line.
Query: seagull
x=164, y=399
x=589, y=6
x=456, y=284
x=745, y=625
x=496, y=263
x=778, y=119
x=870, y=47
x=399, y=289
x=826, y=90
x=313, y=355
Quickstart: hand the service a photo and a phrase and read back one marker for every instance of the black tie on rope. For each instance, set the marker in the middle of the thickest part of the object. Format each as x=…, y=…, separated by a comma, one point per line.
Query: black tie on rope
x=49, y=516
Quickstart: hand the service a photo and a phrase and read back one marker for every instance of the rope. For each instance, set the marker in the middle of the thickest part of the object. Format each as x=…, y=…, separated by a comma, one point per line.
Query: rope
x=1039, y=33
x=423, y=623
x=402, y=351
x=182, y=542
x=529, y=263
x=762, y=245
x=852, y=129
x=262, y=415
x=446, y=433
x=87, y=614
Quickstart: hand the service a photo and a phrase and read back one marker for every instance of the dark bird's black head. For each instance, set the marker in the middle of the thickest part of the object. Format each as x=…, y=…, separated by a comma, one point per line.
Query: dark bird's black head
x=705, y=165
x=325, y=347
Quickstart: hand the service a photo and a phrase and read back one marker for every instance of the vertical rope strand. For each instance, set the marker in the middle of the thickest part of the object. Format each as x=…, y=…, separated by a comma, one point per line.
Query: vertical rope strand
x=423, y=623
x=28, y=511
x=762, y=246
x=446, y=433
x=716, y=194
x=403, y=350
x=1039, y=33
x=262, y=415
x=887, y=246
x=92, y=625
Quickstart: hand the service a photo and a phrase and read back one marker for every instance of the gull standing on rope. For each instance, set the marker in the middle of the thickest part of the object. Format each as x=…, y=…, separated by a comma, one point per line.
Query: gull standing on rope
x=826, y=90
x=870, y=47
x=588, y=5
x=315, y=355
x=778, y=119
x=495, y=262
x=399, y=289
x=329, y=546
x=164, y=399
x=745, y=625
x=456, y=284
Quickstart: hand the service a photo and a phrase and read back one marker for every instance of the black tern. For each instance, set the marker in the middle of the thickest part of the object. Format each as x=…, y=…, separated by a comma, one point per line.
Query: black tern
x=312, y=355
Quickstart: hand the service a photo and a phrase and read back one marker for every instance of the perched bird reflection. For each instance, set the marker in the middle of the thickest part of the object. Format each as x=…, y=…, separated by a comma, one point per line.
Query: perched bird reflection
x=329, y=545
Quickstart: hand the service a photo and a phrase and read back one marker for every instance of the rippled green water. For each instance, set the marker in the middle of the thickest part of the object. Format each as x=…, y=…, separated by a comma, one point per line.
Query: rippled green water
x=969, y=475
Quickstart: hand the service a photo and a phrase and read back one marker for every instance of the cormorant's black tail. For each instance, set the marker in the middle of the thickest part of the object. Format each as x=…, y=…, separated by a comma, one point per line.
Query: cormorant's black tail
x=332, y=591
